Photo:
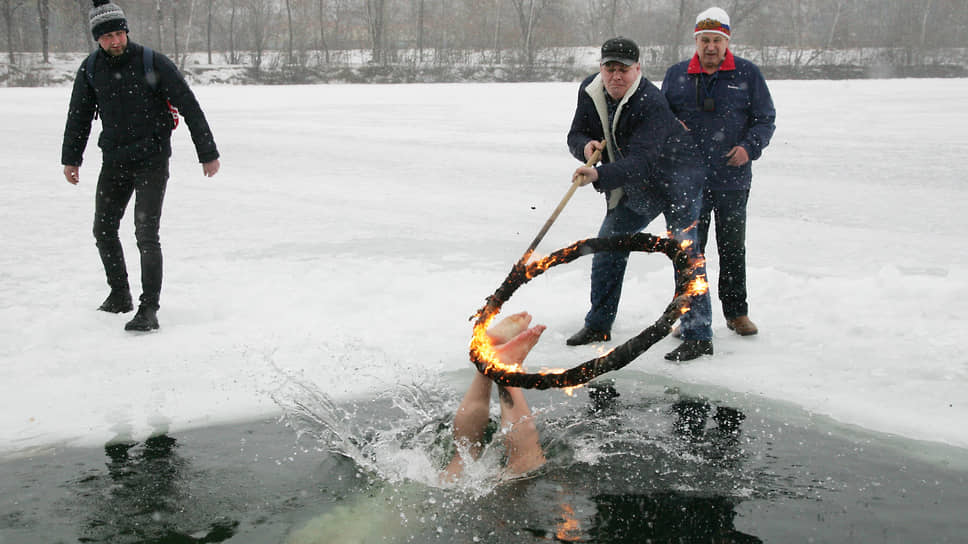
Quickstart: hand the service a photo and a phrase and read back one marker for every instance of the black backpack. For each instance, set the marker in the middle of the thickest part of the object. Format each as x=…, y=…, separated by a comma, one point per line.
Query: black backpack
x=149, y=66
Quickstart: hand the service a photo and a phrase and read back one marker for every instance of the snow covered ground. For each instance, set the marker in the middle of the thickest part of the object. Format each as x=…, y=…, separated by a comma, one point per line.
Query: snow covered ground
x=354, y=229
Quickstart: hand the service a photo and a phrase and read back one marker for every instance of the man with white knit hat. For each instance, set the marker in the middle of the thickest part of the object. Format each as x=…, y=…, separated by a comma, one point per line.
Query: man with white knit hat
x=724, y=102
x=132, y=89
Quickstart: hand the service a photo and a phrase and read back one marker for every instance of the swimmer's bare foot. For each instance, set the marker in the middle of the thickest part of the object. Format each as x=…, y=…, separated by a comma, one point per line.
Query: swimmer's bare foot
x=516, y=349
x=509, y=327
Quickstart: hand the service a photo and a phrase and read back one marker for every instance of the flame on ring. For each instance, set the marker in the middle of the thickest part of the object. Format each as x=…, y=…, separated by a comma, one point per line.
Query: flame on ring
x=699, y=285
x=483, y=350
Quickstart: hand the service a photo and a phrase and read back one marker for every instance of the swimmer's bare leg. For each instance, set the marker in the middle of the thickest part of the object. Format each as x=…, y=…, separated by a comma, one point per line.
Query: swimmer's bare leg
x=521, y=434
x=469, y=424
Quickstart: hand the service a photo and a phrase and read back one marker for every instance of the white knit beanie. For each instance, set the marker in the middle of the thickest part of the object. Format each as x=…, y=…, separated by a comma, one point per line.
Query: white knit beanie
x=713, y=20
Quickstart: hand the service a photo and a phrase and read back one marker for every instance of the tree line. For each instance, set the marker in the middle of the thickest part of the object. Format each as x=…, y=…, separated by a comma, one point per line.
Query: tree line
x=387, y=32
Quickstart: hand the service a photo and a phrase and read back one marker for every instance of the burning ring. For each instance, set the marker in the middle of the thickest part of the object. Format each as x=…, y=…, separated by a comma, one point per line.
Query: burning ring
x=687, y=284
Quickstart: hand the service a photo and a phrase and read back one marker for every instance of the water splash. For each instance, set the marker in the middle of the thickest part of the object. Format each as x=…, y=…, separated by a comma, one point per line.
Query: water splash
x=402, y=434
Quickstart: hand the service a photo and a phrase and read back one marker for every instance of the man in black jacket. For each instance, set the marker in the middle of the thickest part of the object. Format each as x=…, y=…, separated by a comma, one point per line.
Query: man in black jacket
x=132, y=90
x=650, y=166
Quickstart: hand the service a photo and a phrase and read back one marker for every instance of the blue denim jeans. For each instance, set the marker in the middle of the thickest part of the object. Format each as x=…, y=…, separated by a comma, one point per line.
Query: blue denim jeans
x=729, y=210
x=679, y=201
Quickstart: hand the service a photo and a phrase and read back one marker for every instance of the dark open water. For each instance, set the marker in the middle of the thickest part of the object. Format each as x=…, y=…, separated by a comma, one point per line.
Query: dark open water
x=651, y=465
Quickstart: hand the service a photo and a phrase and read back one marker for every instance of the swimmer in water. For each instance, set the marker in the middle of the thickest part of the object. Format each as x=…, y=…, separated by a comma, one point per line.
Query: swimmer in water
x=512, y=341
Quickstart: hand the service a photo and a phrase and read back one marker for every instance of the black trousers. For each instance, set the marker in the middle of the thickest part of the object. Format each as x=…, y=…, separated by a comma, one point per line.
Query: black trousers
x=729, y=210
x=115, y=186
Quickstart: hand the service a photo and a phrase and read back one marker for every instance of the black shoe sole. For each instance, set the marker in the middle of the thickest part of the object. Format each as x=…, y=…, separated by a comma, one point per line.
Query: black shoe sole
x=122, y=310
x=140, y=329
x=678, y=355
x=586, y=341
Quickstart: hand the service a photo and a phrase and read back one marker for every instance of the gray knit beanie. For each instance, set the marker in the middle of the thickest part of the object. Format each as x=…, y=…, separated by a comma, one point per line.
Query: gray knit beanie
x=106, y=17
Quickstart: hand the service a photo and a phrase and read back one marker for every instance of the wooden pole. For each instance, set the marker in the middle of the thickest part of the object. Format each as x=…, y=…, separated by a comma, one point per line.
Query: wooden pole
x=575, y=184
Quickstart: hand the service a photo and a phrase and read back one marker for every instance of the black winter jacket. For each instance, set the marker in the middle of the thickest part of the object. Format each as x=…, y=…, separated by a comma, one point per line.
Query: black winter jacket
x=136, y=124
x=650, y=144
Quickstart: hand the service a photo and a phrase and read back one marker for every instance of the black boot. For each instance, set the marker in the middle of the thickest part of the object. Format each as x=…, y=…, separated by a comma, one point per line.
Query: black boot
x=145, y=320
x=587, y=336
x=118, y=302
x=690, y=349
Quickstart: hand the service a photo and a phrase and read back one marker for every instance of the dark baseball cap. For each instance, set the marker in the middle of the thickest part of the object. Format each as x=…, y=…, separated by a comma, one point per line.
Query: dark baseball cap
x=621, y=50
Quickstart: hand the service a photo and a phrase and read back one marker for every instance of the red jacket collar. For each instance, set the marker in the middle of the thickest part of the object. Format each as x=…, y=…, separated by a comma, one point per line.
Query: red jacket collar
x=728, y=63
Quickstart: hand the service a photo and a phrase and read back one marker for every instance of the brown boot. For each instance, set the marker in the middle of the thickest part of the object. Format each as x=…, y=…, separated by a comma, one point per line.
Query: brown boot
x=742, y=326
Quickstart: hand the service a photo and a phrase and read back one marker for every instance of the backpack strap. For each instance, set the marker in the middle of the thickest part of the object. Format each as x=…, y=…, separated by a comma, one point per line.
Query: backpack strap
x=89, y=67
x=89, y=74
x=149, y=64
x=148, y=57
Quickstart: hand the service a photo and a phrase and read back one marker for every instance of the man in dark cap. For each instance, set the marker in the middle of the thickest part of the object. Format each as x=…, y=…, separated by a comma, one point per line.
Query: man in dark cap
x=133, y=90
x=650, y=166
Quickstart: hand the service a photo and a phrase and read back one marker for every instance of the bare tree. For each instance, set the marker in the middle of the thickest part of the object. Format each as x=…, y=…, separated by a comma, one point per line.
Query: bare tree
x=82, y=21
x=529, y=15
x=924, y=24
x=160, y=20
x=497, y=31
x=741, y=10
x=174, y=25
x=188, y=33
x=289, y=18
x=43, y=15
x=208, y=30
x=338, y=14
x=838, y=27
x=672, y=47
x=259, y=19
x=8, y=9
x=233, y=59
x=322, y=30
x=420, y=29
x=797, y=19
x=612, y=7
x=376, y=24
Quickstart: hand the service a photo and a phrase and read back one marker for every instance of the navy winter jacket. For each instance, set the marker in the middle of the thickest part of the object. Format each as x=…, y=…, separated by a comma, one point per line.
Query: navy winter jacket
x=136, y=124
x=647, y=141
x=744, y=114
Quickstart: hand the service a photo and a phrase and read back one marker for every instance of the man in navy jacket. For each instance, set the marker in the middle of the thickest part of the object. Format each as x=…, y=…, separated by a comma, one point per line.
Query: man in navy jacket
x=130, y=90
x=650, y=166
x=725, y=104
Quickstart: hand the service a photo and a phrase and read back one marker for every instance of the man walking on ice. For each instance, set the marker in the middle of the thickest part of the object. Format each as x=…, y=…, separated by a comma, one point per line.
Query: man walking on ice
x=132, y=90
